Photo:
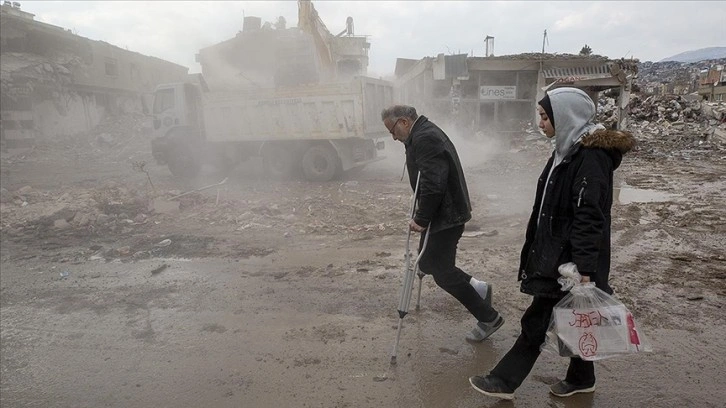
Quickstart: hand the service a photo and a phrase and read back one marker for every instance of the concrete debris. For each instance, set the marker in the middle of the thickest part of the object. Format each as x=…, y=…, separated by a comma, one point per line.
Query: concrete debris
x=665, y=114
x=164, y=243
x=674, y=108
x=159, y=269
x=61, y=224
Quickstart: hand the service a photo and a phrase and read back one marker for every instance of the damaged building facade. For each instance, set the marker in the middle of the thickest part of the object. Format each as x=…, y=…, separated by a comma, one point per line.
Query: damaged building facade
x=55, y=82
x=712, y=84
x=499, y=94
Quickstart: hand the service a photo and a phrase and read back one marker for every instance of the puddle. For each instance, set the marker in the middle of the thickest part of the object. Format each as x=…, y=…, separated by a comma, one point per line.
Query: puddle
x=627, y=195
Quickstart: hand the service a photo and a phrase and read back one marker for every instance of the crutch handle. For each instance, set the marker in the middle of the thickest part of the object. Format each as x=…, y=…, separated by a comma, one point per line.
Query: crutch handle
x=423, y=249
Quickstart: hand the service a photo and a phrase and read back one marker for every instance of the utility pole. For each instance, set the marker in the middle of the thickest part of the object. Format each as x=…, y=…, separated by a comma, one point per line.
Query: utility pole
x=544, y=38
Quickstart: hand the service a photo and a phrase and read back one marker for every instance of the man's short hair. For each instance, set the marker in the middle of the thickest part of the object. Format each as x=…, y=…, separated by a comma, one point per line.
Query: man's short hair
x=399, y=111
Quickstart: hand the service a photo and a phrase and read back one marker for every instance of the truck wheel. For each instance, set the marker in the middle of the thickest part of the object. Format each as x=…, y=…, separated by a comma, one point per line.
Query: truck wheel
x=183, y=164
x=225, y=162
x=321, y=163
x=277, y=162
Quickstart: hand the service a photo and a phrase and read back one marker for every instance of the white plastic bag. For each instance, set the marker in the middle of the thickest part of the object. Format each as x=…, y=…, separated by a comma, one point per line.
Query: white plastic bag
x=569, y=276
x=590, y=324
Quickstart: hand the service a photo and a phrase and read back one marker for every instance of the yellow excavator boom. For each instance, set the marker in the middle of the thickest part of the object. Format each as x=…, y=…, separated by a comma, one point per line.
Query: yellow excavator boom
x=310, y=22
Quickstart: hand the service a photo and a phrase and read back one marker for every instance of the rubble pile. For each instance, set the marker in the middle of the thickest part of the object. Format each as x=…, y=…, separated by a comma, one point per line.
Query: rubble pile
x=675, y=115
x=666, y=114
x=117, y=139
x=314, y=214
x=607, y=112
x=113, y=131
x=126, y=217
x=671, y=126
x=79, y=211
x=671, y=108
x=35, y=73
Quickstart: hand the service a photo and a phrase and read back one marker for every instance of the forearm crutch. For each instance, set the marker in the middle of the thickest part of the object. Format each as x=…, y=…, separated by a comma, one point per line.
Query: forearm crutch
x=409, y=274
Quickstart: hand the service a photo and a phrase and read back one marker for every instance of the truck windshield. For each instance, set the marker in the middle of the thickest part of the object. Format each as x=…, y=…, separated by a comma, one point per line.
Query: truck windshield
x=163, y=100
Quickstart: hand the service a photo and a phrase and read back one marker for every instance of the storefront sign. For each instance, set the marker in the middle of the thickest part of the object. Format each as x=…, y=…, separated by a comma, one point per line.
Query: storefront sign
x=497, y=92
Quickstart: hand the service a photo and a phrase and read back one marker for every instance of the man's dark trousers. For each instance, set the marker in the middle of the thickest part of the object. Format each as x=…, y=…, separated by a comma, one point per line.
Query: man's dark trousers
x=439, y=260
x=514, y=367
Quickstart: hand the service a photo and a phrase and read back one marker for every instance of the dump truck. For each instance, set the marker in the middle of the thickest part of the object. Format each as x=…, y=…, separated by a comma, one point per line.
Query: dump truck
x=299, y=98
x=321, y=130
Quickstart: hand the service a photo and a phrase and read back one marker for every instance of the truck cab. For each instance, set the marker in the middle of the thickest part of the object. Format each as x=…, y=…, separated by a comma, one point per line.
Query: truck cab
x=178, y=126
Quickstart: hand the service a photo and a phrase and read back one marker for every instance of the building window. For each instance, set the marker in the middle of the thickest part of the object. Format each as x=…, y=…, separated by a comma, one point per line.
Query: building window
x=111, y=67
x=133, y=72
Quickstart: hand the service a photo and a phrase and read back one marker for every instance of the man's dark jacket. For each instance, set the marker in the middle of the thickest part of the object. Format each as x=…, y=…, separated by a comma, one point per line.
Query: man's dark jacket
x=574, y=221
x=443, y=199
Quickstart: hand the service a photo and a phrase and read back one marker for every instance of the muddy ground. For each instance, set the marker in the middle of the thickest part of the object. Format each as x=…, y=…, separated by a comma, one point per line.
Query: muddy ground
x=260, y=293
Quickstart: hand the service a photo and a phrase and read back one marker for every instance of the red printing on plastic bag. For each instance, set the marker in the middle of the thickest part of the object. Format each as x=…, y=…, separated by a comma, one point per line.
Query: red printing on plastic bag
x=587, y=345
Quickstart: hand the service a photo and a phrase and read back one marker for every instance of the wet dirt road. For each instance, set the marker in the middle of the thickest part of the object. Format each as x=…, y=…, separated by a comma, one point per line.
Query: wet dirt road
x=292, y=302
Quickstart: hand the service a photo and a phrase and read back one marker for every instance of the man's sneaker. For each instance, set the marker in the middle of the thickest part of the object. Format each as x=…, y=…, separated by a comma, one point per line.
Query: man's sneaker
x=482, y=330
x=491, y=386
x=484, y=290
x=565, y=389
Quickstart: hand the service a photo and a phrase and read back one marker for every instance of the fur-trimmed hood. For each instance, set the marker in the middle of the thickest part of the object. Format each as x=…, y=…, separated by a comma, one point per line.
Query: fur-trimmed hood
x=609, y=140
x=615, y=142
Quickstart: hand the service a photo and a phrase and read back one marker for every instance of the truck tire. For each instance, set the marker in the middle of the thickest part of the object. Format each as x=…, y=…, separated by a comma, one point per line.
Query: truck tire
x=321, y=163
x=225, y=161
x=183, y=163
x=277, y=162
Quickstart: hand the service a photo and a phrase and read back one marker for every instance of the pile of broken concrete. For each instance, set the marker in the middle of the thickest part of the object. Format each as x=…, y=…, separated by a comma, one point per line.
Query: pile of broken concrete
x=668, y=114
x=674, y=108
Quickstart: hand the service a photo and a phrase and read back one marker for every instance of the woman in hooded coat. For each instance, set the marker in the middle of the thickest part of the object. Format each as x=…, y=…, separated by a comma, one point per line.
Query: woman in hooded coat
x=570, y=222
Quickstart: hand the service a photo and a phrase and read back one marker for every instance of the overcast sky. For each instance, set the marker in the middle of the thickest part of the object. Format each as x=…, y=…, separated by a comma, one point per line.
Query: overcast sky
x=175, y=31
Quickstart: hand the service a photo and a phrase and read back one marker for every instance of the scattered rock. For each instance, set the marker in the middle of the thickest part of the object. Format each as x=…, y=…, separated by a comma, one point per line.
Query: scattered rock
x=24, y=190
x=163, y=244
x=159, y=269
x=61, y=224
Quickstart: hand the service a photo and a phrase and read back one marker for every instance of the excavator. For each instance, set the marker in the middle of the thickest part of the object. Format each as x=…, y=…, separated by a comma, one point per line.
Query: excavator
x=309, y=22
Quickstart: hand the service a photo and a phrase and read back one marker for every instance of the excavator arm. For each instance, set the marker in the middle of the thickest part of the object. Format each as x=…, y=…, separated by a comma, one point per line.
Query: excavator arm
x=310, y=22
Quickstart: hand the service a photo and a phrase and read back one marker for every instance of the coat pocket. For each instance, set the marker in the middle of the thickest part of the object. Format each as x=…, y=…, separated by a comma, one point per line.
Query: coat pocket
x=552, y=252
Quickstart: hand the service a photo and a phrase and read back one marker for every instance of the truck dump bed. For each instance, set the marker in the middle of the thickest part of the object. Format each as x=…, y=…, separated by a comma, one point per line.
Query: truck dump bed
x=314, y=112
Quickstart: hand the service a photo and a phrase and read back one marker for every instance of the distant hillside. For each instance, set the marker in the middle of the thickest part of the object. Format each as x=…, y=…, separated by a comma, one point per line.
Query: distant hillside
x=698, y=55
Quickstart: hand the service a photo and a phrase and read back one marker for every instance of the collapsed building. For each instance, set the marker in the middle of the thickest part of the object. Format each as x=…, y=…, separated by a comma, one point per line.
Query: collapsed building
x=54, y=82
x=712, y=83
x=499, y=93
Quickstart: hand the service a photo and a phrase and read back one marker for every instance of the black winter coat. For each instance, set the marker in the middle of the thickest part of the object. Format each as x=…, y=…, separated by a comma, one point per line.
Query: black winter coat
x=443, y=198
x=574, y=221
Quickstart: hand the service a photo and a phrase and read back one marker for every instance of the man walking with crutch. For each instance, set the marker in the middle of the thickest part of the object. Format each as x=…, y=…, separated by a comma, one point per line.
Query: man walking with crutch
x=443, y=208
